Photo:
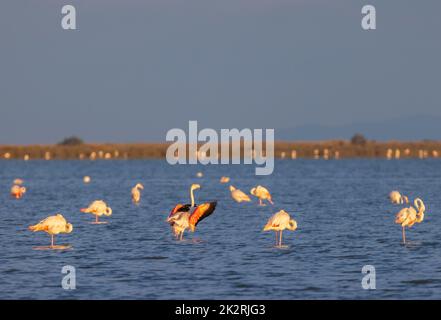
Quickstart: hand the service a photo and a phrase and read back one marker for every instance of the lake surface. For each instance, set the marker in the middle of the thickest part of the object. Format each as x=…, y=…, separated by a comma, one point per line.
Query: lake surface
x=345, y=222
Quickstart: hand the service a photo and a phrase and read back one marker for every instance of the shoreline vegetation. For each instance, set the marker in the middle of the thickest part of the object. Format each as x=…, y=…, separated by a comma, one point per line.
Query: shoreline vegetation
x=329, y=149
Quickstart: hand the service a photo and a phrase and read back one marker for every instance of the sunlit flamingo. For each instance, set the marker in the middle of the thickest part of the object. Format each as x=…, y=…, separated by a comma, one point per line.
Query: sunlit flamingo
x=136, y=193
x=224, y=179
x=18, y=191
x=262, y=193
x=53, y=225
x=239, y=195
x=86, y=179
x=199, y=174
x=396, y=198
x=18, y=181
x=407, y=217
x=98, y=208
x=279, y=222
x=187, y=216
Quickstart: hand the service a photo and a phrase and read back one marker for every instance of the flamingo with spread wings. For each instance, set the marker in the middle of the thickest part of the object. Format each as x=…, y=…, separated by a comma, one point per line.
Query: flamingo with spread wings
x=188, y=216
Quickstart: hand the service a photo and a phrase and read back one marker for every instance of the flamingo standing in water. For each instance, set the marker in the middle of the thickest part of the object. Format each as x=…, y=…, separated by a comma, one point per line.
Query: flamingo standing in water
x=18, y=181
x=53, y=225
x=224, y=180
x=136, y=193
x=239, y=195
x=18, y=191
x=396, y=198
x=407, y=217
x=279, y=222
x=187, y=216
x=262, y=193
x=98, y=208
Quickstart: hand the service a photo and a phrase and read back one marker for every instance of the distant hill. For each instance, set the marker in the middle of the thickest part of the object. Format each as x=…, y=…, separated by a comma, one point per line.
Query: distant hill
x=413, y=128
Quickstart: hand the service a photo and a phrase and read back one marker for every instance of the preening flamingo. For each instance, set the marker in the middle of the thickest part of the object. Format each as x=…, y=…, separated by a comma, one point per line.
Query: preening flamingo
x=396, y=198
x=239, y=195
x=18, y=191
x=136, y=193
x=407, y=217
x=279, y=222
x=53, y=225
x=187, y=216
x=262, y=193
x=224, y=180
x=98, y=208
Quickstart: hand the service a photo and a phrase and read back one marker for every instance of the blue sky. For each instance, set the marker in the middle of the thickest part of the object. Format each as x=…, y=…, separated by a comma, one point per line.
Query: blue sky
x=135, y=69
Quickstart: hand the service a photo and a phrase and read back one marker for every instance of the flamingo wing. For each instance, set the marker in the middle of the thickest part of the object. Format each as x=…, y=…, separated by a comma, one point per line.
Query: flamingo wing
x=201, y=212
x=180, y=208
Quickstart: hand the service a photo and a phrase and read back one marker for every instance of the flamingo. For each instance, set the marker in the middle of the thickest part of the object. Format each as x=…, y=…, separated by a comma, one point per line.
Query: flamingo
x=239, y=195
x=18, y=181
x=279, y=222
x=53, y=225
x=86, y=179
x=136, y=194
x=407, y=217
x=262, y=193
x=224, y=179
x=98, y=208
x=396, y=198
x=18, y=191
x=187, y=216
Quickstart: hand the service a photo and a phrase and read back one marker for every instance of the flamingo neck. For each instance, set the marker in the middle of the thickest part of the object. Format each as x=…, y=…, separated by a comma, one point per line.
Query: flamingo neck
x=192, y=197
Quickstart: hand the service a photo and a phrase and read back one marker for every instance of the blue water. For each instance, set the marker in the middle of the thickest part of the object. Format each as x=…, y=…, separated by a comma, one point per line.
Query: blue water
x=345, y=222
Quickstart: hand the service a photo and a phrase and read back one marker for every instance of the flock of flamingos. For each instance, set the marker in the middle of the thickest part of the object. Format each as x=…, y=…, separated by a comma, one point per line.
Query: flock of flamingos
x=187, y=216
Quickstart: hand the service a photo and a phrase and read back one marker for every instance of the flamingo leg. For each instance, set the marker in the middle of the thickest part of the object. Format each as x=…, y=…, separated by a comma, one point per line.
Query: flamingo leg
x=52, y=240
x=96, y=218
x=260, y=202
x=182, y=235
x=404, y=235
x=277, y=236
x=280, y=240
x=270, y=201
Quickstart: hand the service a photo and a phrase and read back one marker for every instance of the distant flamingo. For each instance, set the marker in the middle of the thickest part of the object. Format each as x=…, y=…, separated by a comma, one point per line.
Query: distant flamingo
x=53, y=225
x=187, y=216
x=224, y=179
x=262, y=193
x=239, y=195
x=407, y=217
x=279, y=222
x=18, y=191
x=136, y=193
x=86, y=179
x=396, y=198
x=18, y=181
x=98, y=208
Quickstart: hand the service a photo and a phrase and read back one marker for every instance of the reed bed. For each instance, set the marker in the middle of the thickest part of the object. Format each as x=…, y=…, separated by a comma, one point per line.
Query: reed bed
x=331, y=149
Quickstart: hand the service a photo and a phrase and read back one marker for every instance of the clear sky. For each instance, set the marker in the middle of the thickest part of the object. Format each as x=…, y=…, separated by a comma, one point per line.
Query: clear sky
x=135, y=69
